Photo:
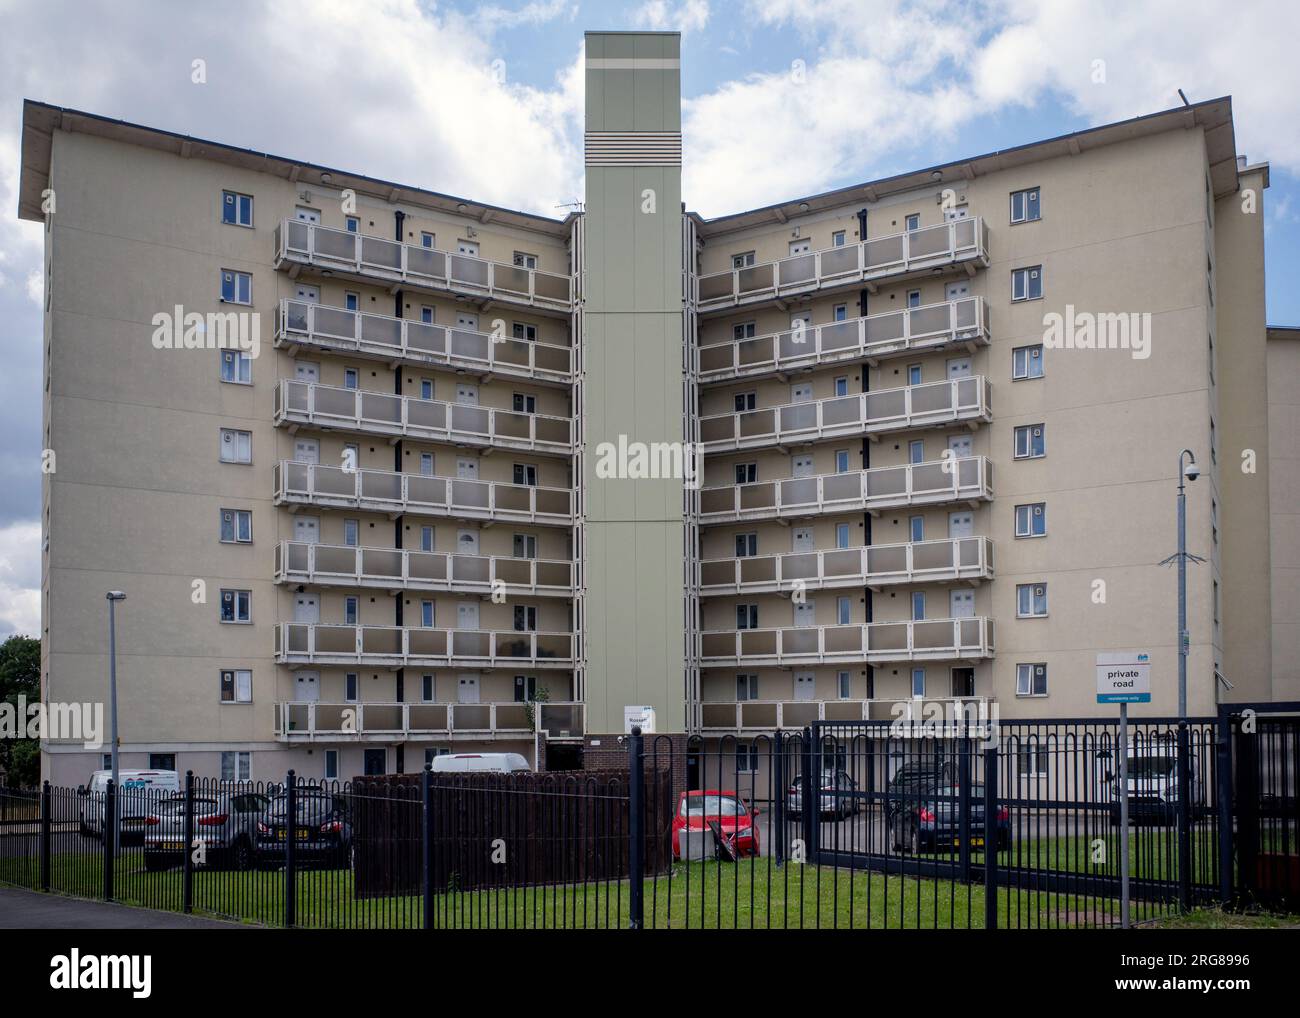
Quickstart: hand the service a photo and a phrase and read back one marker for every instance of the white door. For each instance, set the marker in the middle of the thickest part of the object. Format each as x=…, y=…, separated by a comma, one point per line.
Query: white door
x=805, y=614
x=306, y=687
x=805, y=685
x=803, y=466
x=801, y=392
x=960, y=445
x=467, y=469
x=306, y=371
x=467, y=542
x=467, y=247
x=306, y=529
x=961, y=524
x=307, y=294
x=466, y=688
x=957, y=212
x=469, y=322
x=467, y=394
x=467, y=615
x=959, y=367
x=802, y=539
x=799, y=247
x=306, y=215
x=306, y=450
x=803, y=320
x=961, y=604
x=956, y=291
x=306, y=608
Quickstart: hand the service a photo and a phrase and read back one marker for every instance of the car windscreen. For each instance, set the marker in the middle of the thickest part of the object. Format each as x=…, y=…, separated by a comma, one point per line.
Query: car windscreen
x=1150, y=766
x=176, y=807
x=308, y=806
x=713, y=806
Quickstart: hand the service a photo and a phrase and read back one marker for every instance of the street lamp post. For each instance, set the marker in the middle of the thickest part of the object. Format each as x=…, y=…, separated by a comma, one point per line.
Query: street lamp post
x=1188, y=471
x=113, y=597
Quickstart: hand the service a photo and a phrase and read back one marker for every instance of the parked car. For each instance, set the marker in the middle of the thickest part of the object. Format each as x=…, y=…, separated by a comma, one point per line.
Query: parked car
x=479, y=763
x=139, y=792
x=917, y=777
x=932, y=822
x=833, y=803
x=322, y=828
x=226, y=821
x=698, y=810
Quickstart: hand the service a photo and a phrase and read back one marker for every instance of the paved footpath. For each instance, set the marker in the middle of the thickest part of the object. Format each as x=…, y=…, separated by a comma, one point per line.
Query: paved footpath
x=32, y=910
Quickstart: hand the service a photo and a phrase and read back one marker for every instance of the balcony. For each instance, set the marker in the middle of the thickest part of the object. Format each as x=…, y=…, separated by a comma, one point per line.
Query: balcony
x=373, y=259
x=381, y=337
x=967, y=479
x=945, y=561
x=325, y=565
x=313, y=643
x=862, y=413
x=385, y=491
x=930, y=640
x=961, y=242
x=387, y=722
x=752, y=716
x=311, y=404
x=875, y=337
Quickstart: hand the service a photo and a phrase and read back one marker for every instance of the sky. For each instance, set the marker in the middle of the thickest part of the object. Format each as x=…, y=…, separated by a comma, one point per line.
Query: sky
x=781, y=99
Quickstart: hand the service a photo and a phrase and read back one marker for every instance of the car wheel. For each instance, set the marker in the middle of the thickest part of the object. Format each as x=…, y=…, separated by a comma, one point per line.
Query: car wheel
x=914, y=841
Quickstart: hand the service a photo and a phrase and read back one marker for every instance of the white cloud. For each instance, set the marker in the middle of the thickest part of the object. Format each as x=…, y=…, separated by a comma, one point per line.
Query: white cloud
x=20, y=579
x=663, y=16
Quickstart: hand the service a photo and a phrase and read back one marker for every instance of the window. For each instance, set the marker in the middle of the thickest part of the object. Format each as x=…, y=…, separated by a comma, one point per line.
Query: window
x=842, y=386
x=431, y=754
x=236, y=606
x=914, y=374
x=351, y=378
x=350, y=683
x=916, y=525
x=746, y=545
x=1030, y=442
x=913, y=298
x=746, y=473
x=236, y=208
x=236, y=367
x=1031, y=519
x=350, y=611
x=426, y=464
x=1027, y=361
x=426, y=388
x=525, y=618
x=745, y=401
x=353, y=224
x=426, y=614
x=739, y=261
x=916, y=451
x=743, y=330
x=746, y=758
x=426, y=688
x=837, y=238
x=746, y=687
x=162, y=761
x=352, y=301
x=426, y=538
x=237, y=526
x=1031, y=761
x=526, y=473
x=426, y=314
x=918, y=606
x=236, y=287
x=524, y=331
x=746, y=616
x=524, y=260
x=844, y=610
x=841, y=535
x=844, y=685
x=1027, y=284
x=840, y=312
x=427, y=239
x=1031, y=680
x=525, y=546
x=842, y=461
x=918, y=682
x=1024, y=206
x=914, y=221
x=236, y=685
x=1031, y=600
x=351, y=529
x=524, y=403
x=331, y=764
x=236, y=446
x=237, y=766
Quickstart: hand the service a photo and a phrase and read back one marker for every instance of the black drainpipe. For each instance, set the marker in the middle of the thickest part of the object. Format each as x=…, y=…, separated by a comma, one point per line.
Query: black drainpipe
x=399, y=221
x=866, y=465
x=862, y=225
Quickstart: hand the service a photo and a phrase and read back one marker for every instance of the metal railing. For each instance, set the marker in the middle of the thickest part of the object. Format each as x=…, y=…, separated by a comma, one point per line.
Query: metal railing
x=861, y=413
x=962, y=479
x=414, y=265
x=892, y=334
x=358, y=721
x=721, y=716
x=387, y=338
x=958, y=558
x=928, y=640
x=388, y=491
x=327, y=643
x=326, y=565
x=956, y=242
x=382, y=413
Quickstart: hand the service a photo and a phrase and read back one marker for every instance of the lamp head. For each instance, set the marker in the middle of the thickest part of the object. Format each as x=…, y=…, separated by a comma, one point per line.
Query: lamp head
x=115, y=595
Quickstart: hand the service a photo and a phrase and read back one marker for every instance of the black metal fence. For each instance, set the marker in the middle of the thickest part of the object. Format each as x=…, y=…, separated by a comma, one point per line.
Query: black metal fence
x=955, y=823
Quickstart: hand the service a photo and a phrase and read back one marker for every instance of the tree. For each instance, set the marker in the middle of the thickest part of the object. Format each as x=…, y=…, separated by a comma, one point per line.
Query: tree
x=20, y=675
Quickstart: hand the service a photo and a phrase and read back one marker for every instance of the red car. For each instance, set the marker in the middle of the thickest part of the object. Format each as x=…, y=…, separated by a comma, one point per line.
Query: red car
x=698, y=810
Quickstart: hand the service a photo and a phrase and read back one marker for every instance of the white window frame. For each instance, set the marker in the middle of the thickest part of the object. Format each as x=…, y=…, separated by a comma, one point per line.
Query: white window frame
x=247, y=600
x=233, y=198
x=241, y=685
x=844, y=685
x=331, y=764
x=237, y=516
x=1023, y=281
x=743, y=260
x=353, y=694
x=240, y=365
x=746, y=758
x=1023, y=361
x=1025, y=676
x=741, y=331
x=1037, y=591
x=1026, y=431
x=1028, y=512
x=1030, y=201
x=236, y=278
x=241, y=442
x=746, y=687
x=241, y=765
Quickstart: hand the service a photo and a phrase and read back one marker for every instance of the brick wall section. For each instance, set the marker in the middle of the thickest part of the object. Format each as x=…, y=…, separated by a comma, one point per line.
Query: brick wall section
x=662, y=752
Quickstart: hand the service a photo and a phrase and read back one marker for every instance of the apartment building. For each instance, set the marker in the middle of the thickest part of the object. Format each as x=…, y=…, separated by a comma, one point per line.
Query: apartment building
x=385, y=536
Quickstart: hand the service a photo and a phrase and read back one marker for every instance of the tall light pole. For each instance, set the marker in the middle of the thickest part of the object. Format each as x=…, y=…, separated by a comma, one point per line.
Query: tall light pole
x=113, y=597
x=1188, y=471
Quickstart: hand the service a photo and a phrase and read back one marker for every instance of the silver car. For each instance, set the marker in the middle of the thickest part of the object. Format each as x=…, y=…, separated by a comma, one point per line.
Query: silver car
x=226, y=822
x=831, y=802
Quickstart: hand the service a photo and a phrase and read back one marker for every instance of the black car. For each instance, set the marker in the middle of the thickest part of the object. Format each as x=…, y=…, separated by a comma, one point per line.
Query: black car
x=831, y=785
x=932, y=822
x=916, y=778
x=322, y=828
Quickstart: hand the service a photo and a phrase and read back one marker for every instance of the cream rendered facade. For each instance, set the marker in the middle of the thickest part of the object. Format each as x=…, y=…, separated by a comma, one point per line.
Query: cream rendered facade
x=853, y=545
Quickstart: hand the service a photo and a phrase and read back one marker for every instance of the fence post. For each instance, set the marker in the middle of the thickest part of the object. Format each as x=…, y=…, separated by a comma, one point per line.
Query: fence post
x=636, y=829
x=187, y=862
x=426, y=867
x=963, y=812
x=778, y=805
x=291, y=850
x=809, y=799
x=1223, y=801
x=47, y=799
x=110, y=825
x=990, y=845
x=1184, y=818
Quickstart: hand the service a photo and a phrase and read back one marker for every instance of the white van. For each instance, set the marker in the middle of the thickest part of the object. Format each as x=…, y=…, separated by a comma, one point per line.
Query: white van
x=479, y=763
x=140, y=792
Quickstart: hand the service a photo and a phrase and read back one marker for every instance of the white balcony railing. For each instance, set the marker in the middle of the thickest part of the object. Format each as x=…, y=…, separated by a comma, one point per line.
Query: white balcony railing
x=892, y=334
x=322, y=643
x=929, y=640
x=389, y=492
x=768, y=715
x=862, y=413
x=951, y=559
x=362, y=721
x=325, y=565
x=965, y=479
x=323, y=247
x=381, y=413
x=404, y=339
x=961, y=241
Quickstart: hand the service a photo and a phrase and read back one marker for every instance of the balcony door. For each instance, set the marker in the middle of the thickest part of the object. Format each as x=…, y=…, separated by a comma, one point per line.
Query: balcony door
x=801, y=392
x=306, y=529
x=963, y=682
x=956, y=291
x=467, y=688
x=306, y=450
x=960, y=445
x=467, y=469
x=307, y=294
x=306, y=608
x=467, y=322
x=467, y=542
x=959, y=367
x=306, y=687
x=805, y=686
x=961, y=524
x=961, y=604
x=803, y=466
x=306, y=371
x=467, y=395
x=467, y=615
x=801, y=539
x=805, y=614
